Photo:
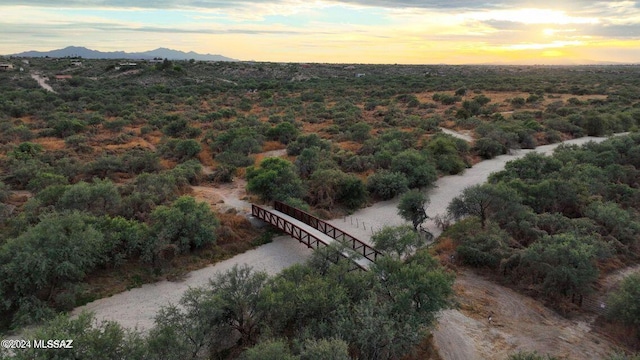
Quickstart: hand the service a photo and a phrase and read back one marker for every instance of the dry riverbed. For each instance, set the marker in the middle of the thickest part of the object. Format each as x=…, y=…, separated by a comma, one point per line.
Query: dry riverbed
x=520, y=322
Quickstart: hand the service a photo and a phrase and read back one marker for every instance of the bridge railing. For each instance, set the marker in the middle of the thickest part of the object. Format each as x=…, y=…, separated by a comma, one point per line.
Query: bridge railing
x=294, y=231
x=364, y=249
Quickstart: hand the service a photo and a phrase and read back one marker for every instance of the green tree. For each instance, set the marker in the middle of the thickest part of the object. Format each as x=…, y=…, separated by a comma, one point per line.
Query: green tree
x=105, y=340
x=274, y=179
x=190, y=329
x=307, y=162
x=123, y=239
x=238, y=293
x=385, y=184
x=26, y=150
x=180, y=150
x=412, y=207
x=481, y=201
x=416, y=167
x=623, y=303
x=269, y=350
x=186, y=223
x=489, y=148
x=397, y=241
x=396, y=316
x=565, y=263
x=305, y=142
x=43, y=180
x=58, y=251
x=284, y=132
x=352, y=192
x=325, y=349
x=98, y=198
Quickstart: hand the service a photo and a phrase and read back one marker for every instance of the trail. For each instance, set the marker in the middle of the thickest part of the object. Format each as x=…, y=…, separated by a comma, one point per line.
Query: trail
x=365, y=221
x=520, y=322
x=42, y=81
x=459, y=135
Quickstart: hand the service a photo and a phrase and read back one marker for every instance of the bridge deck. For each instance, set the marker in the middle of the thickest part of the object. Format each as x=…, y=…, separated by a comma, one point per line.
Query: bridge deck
x=362, y=262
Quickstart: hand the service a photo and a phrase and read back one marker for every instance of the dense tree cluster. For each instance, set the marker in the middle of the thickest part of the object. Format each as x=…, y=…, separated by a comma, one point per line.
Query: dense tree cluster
x=318, y=310
x=546, y=222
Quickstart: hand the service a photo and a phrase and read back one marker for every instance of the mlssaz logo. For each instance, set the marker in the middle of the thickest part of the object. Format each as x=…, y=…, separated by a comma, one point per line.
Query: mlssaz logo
x=53, y=344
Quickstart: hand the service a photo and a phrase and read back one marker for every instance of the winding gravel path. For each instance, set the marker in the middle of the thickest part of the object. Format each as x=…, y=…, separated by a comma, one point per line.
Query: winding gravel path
x=137, y=307
x=42, y=81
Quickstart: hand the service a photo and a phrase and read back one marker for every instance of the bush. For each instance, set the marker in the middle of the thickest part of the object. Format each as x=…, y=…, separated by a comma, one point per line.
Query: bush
x=58, y=251
x=66, y=127
x=489, y=148
x=416, y=167
x=307, y=141
x=284, y=132
x=180, y=150
x=484, y=249
x=186, y=223
x=623, y=303
x=386, y=185
x=274, y=179
x=26, y=150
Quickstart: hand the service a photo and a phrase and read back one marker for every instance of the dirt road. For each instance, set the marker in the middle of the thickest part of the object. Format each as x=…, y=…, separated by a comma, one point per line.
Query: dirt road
x=42, y=81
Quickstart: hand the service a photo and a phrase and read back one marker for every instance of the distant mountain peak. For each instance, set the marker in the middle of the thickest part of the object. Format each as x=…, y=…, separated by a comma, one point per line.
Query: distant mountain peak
x=83, y=52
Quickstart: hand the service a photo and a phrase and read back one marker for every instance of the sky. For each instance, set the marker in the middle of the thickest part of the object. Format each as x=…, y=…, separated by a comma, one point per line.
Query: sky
x=336, y=31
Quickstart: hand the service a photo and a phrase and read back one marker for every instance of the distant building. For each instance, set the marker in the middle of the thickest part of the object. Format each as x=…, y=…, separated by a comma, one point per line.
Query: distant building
x=76, y=63
x=128, y=64
x=26, y=62
x=360, y=75
x=6, y=67
x=63, y=77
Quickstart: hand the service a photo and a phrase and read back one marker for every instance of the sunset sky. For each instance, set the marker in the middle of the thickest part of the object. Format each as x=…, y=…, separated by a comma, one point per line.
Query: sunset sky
x=343, y=31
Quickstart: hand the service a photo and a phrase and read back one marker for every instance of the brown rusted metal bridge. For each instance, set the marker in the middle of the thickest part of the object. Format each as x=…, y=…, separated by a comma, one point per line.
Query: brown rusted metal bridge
x=315, y=232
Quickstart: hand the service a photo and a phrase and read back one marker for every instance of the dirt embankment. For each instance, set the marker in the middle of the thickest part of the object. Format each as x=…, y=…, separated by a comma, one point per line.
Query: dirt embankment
x=518, y=323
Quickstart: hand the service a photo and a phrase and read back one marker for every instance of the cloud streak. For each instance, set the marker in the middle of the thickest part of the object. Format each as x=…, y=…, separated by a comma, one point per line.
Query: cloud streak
x=332, y=30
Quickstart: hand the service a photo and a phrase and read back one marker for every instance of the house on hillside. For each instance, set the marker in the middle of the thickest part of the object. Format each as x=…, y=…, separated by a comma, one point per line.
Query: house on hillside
x=6, y=66
x=63, y=77
x=76, y=63
x=131, y=64
x=360, y=75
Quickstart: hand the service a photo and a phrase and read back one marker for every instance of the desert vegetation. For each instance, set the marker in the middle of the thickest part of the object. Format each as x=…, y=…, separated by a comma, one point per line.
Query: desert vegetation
x=97, y=178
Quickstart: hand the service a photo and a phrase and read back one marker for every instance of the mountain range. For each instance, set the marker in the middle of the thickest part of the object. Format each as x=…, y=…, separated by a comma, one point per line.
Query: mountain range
x=162, y=53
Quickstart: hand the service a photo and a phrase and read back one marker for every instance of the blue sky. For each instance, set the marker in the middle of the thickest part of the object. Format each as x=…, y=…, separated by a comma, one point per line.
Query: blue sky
x=344, y=31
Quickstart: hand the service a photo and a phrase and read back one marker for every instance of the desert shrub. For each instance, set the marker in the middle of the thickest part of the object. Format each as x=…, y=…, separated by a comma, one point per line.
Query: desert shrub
x=623, y=303
x=386, y=185
x=307, y=141
x=485, y=248
x=180, y=150
x=186, y=223
x=57, y=252
x=489, y=148
x=43, y=180
x=274, y=179
x=416, y=167
x=284, y=132
x=26, y=150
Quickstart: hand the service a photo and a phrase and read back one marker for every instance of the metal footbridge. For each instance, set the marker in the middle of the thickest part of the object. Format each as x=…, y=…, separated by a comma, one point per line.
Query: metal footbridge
x=314, y=233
